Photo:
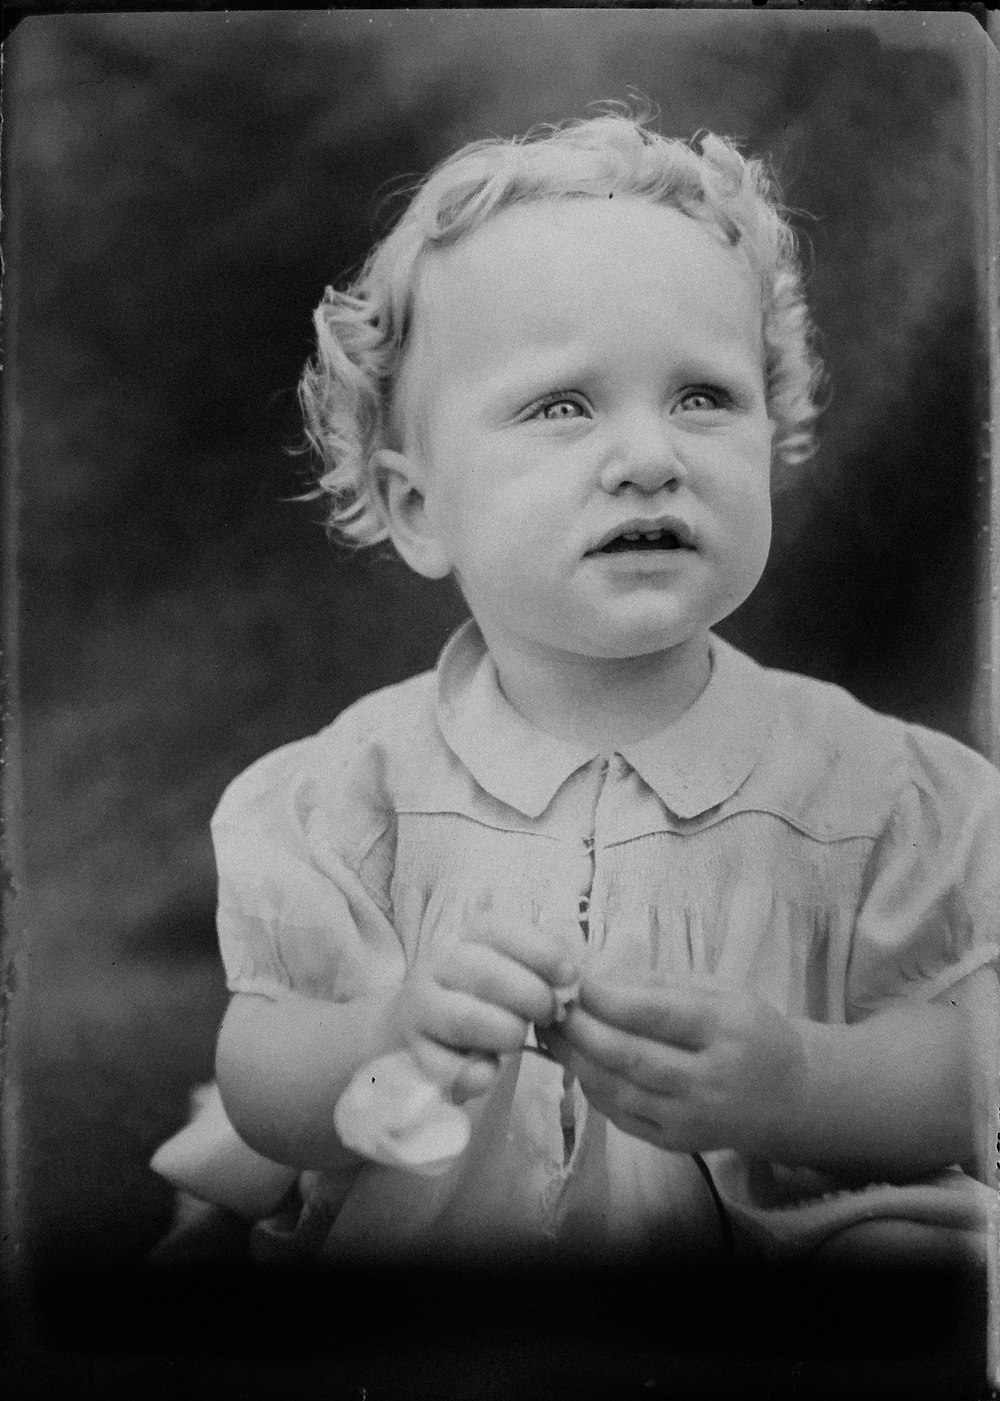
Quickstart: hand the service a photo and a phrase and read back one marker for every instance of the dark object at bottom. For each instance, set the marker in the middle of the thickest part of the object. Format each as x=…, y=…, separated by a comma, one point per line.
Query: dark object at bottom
x=582, y=1334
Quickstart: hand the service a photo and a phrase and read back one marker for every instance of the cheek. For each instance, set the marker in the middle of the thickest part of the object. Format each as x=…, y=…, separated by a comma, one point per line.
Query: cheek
x=748, y=513
x=455, y=499
x=503, y=508
x=755, y=513
x=759, y=508
x=751, y=475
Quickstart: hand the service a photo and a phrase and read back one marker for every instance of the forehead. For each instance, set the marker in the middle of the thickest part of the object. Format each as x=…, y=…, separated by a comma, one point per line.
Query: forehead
x=541, y=273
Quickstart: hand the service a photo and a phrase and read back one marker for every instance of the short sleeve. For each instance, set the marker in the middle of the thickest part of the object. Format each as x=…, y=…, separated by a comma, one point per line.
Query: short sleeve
x=930, y=908
x=294, y=914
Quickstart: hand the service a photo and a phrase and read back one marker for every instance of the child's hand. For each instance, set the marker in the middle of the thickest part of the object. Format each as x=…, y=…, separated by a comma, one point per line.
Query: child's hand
x=470, y=1000
x=688, y=1067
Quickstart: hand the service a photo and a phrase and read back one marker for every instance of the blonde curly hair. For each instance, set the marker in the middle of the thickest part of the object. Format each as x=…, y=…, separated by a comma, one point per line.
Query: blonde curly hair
x=363, y=332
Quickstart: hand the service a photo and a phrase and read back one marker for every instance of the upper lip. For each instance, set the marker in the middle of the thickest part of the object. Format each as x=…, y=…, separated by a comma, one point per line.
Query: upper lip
x=646, y=525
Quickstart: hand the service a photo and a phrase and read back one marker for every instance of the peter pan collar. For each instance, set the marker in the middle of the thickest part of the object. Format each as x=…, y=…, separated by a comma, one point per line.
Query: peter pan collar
x=693, y=765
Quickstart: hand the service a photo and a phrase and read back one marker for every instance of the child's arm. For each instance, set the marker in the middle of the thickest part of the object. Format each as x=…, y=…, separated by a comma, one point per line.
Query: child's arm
x=700, y=1068
x=891, y=1097
x=283, y=1064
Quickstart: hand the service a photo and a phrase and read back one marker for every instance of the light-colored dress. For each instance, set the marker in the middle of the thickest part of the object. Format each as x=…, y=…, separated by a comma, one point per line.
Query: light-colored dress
x=832, y=860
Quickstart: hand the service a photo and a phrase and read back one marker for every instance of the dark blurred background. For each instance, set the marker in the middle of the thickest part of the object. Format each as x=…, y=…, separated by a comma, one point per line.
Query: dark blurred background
x=179, y=190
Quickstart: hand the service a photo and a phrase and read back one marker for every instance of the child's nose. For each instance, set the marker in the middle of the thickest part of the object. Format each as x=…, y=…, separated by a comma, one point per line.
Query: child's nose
x=644, y=458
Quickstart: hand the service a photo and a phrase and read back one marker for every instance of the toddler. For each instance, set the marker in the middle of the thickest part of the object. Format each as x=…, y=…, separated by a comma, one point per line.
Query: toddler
x=601, y=938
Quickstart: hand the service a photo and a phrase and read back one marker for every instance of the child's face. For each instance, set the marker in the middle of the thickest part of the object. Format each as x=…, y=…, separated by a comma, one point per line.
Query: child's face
x=585, y=370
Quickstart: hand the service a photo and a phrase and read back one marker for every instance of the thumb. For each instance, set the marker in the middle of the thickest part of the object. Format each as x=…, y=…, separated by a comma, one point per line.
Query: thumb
x=477, y=1075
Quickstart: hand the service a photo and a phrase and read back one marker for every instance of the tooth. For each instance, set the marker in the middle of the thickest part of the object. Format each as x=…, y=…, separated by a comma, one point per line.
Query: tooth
x=653, y=534
x=632, y=535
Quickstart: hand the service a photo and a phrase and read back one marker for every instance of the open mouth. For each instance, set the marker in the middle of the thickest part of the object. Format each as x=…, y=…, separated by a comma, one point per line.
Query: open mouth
x=664, y=539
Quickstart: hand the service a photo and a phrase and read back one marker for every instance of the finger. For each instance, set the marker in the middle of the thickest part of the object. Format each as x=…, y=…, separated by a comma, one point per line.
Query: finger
x=643, y=1063
x=617, y=1098
x=477, y=1076
x=668, y=1122
x=545, y=952
x=463, y=1075
x=492, y=977
x=680, y=1015
x=439, y=1063
x=671, y=1131
x=664, y=1122
x=465, y=1023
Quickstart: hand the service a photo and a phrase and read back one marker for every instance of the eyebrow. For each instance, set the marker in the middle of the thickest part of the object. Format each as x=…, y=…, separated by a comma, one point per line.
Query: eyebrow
x=560, y=371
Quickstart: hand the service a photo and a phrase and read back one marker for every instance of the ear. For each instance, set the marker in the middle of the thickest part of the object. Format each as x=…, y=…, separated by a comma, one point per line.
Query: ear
x=401, y=483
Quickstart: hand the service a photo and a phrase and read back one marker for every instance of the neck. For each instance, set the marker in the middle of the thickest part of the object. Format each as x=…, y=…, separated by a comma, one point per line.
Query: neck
x=603, y=702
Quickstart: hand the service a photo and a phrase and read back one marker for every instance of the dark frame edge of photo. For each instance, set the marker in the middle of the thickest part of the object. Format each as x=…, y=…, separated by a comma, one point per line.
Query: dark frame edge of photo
x=987, y=697
x=14, y=921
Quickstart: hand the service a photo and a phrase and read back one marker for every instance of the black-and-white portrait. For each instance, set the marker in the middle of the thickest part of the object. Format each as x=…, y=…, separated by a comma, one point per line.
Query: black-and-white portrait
x=501, y=802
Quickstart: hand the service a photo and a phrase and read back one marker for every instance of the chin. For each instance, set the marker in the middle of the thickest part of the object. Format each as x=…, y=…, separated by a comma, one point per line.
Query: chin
x=644, y=637
x=640, y=644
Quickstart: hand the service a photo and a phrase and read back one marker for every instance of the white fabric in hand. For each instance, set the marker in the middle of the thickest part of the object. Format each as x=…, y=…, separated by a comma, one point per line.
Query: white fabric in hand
x=394, y=1114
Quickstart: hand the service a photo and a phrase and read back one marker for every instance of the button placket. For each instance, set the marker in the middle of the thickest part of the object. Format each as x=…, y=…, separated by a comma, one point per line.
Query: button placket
x=612, y=771
x=571, y=1119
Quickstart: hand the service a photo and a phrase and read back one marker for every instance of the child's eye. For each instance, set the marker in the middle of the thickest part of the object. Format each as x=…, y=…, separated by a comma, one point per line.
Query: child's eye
x=696, y=400
x=558, y=407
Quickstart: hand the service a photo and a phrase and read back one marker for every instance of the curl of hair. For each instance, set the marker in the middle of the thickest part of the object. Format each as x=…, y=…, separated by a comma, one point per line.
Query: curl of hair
x=362, y=332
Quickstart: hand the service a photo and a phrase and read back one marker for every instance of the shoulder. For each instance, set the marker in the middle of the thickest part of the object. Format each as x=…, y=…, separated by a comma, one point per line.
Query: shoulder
x=347, y=771
x=843, y=769
x=844, y=730
x=389, y=721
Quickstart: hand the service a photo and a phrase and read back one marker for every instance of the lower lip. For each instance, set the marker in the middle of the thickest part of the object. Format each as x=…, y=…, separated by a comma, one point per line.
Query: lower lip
x=643, y=561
